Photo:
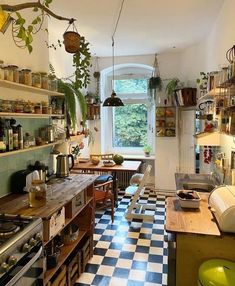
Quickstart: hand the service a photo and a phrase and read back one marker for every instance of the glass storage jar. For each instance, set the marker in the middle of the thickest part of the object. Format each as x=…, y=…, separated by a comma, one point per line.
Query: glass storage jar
x=38, y=108
x=52, y=82
x=36, y=80
x=44, y=80
x=19, y=106
x=11, y=73
x=7, y=106
x=1, y=70
x=37, y=194
x=26, y=77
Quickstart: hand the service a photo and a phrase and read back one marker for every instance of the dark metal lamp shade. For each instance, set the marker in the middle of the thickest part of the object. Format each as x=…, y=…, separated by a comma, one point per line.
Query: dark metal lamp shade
x=113, y=100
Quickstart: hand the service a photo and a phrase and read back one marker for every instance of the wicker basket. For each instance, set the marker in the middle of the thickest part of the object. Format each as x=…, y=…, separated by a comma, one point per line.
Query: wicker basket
x=71, y=42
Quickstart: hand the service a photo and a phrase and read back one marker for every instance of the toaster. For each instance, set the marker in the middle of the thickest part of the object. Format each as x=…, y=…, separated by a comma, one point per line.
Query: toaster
x=222, y=203
x=21, y=180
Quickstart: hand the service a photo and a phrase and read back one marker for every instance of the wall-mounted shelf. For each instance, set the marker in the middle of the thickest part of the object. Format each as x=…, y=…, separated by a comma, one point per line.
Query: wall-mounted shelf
x=165, y=121
x=19, y=86
x=208, y=138
x=30, y=115
x=76, y=138
x=10, y=153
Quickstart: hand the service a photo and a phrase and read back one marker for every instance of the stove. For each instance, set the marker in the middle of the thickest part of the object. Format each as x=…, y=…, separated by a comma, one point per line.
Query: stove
x=20, y=239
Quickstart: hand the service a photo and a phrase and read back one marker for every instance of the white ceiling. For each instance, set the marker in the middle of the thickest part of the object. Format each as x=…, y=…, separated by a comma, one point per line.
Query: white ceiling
x=145, y=26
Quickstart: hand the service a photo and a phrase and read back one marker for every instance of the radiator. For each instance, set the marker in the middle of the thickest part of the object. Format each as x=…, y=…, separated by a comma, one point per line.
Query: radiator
x=124, y=179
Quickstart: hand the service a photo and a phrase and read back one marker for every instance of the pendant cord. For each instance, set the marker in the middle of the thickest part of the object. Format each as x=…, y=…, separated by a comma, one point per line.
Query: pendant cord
x=118, y=18
x=113, y=62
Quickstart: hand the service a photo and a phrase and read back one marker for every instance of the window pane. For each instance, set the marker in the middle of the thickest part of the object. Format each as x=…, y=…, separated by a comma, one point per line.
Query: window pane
x=130, y=86
x=130, y=126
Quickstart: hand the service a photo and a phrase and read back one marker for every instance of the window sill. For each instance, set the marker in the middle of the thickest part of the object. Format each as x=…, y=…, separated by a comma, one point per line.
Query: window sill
x=142, y=157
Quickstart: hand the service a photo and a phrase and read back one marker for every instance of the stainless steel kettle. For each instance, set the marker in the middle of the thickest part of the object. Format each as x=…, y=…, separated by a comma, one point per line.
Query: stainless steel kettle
x=63, y=165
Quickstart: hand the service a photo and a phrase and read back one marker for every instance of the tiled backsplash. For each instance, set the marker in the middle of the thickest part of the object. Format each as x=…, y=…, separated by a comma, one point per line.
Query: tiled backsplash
x=13, y=163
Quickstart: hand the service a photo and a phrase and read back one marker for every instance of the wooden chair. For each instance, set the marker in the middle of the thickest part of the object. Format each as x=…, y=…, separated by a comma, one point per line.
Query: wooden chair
x=104, y=197
x=137, y=210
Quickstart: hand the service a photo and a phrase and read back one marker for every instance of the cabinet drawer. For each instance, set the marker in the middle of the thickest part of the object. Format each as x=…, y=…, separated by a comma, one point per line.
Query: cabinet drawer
x=75, y=204
x=53, y=225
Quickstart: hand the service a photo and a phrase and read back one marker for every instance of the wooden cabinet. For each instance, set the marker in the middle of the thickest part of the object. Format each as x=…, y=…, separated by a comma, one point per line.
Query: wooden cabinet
x=166, y=121
x=62, y=197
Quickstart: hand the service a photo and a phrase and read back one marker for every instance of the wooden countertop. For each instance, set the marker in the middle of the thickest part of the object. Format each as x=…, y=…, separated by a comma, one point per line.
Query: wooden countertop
x=194, y=221
x=125, y=166
x=62, y=191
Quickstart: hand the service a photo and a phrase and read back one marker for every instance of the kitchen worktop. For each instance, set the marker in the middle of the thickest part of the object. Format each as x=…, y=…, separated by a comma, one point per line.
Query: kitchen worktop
x=194, y=221
x=59, y=192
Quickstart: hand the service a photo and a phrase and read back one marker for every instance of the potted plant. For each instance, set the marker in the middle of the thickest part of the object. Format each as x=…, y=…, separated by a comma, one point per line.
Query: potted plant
x=72, y=39
x=172, y=85
x=147, y=150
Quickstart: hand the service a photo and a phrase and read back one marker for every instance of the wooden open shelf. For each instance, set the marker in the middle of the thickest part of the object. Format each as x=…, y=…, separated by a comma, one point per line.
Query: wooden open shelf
x=10, y=153
x=29, y=115
x=76, y=138
x=66, y=250
x=19, y=86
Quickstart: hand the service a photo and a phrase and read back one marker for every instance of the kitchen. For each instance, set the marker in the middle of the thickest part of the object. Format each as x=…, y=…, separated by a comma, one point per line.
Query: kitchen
x=206, y=53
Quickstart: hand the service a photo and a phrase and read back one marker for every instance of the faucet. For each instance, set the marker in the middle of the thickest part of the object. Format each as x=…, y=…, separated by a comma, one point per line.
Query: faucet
x=216, y=178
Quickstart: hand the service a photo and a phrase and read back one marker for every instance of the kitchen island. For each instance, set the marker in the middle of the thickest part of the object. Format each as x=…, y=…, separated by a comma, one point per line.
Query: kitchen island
x=197, y=238
x=69, y=203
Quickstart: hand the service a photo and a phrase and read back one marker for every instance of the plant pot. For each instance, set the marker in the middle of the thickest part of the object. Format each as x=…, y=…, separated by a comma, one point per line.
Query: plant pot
x=71, y=42
x=147, y=154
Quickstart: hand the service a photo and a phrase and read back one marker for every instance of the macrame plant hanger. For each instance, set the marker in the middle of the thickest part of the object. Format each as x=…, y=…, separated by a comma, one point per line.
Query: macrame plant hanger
x=155, y=82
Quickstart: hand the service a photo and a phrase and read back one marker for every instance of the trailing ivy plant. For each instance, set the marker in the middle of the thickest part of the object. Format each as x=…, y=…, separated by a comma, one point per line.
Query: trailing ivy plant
x=22, y=30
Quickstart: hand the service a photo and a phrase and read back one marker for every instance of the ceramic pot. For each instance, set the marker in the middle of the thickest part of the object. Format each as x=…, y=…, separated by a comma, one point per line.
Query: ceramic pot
x=71, y=42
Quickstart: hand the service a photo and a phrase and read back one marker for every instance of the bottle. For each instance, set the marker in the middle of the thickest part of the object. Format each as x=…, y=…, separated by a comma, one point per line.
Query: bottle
x=9, y=135
x=2, y=137
x=15, y=134
x=20, y=136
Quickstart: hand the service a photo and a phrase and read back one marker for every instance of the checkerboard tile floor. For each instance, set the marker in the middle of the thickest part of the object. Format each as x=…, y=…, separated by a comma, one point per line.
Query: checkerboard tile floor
x=128, y=253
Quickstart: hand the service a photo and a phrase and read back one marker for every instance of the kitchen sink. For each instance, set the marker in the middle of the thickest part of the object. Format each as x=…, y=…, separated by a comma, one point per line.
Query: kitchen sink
x=196, y=182
x=199, y=187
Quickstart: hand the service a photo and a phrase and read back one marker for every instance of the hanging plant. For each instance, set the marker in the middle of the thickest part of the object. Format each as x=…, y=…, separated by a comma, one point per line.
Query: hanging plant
x=155, y=82
x=72, y=39
x=22, y=30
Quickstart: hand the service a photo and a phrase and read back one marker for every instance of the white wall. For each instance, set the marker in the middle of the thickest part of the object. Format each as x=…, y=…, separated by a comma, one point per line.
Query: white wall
x=209, y=55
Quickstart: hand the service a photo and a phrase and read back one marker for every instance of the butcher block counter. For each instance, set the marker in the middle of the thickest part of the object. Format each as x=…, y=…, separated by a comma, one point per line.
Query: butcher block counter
x=69, y=202
x=197, y=238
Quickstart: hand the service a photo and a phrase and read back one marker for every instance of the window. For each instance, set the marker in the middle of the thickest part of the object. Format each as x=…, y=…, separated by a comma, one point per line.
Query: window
x=128, y=128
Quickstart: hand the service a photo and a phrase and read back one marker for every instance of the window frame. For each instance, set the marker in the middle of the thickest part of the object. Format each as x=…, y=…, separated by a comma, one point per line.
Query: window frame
x=107, y=115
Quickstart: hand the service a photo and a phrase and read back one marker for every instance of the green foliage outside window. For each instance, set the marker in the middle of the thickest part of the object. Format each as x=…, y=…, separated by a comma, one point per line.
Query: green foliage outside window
x=130, y=126
x=125, y=86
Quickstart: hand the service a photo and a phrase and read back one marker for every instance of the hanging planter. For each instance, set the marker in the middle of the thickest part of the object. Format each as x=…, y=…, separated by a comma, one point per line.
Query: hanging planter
x=155, y=82
x=71, y=39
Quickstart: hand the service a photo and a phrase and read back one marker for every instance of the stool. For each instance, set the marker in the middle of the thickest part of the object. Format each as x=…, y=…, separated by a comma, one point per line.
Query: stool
x=217, y=272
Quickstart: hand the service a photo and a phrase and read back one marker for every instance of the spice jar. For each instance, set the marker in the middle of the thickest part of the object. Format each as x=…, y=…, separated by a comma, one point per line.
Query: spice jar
x=52, y=83
x=38, y=108
x=11, y=73
x=1, y=70
x=26, y=77
x=44, y=80
x=36, y=80
x=37, y=194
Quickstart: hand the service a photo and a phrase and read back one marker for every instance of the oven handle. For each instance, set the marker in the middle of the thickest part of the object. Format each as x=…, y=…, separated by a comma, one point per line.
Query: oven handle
x=25, y=268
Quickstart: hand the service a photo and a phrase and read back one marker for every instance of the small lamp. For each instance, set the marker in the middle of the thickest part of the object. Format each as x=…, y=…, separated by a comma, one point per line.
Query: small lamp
x=113, y=100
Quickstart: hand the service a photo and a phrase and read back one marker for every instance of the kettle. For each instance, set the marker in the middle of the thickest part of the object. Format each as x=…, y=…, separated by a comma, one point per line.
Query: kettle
x=63, y=166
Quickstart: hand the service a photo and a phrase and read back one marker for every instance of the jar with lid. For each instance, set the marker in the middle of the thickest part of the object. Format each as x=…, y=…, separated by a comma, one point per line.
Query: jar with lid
x=36, y=80
x=11, y=73
x=7, y=106
x=19, y=106
x=26, y=77
x=44, y=80
x=1, y=69
x=52, y=82
x=37, y=194
x=38, y=108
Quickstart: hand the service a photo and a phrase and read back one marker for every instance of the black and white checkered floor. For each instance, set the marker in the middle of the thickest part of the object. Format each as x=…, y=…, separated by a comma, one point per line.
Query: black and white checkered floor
x=128, y=253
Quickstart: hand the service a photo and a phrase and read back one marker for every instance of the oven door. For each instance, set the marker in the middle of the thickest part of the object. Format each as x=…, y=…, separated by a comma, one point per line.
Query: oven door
x=28, y=270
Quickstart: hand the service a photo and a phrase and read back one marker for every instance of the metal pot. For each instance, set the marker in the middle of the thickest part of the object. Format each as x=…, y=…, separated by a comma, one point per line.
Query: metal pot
x=63, y=165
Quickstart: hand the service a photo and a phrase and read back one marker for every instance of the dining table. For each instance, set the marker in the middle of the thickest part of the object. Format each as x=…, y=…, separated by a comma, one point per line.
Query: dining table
x=126, y=166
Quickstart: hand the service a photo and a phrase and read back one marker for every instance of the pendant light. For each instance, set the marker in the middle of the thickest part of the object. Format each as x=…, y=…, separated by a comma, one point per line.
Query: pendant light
x=113, y=100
